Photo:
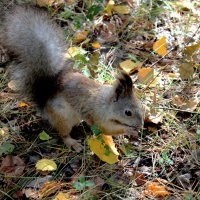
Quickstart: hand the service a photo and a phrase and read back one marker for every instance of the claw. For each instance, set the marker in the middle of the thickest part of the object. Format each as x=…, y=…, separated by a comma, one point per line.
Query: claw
x=75, y=144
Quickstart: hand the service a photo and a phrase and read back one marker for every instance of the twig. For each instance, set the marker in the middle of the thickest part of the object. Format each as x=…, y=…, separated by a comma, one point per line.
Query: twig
x=176, y=109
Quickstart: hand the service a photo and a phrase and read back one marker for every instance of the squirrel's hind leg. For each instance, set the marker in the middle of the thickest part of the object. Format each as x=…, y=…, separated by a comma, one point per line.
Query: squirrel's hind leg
x=62, y=117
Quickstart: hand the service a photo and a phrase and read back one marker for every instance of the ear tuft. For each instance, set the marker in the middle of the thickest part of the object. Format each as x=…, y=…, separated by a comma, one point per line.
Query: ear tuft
x=124, y=84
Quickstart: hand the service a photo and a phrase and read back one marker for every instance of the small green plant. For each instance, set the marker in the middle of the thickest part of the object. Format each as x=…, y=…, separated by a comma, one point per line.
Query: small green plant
x=6, y=148
x=82, y=184
x=165, y=159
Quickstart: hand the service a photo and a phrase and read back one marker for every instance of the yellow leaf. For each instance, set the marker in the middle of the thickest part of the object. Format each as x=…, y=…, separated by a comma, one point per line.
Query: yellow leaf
x=62, y=196
x=145, y=75
x=46, y=165
x=44, y=2
x=129, y=66
x=109, y=7
x=186, y=70
x=109, y=141
x=191, y=52
x=96, y=45
x=80, y=36
x=160, y=46
x=22, y=104
x=123, y=10
x=74, y=51
x=100, y=149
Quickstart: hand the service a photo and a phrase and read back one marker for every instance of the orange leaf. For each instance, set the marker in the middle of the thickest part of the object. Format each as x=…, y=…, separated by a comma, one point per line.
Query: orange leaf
x=80, y=36
x=22, y=104
x=145, y=75
x=109, y=141
x=156, y=190
x=160, y=46
x=96, y=45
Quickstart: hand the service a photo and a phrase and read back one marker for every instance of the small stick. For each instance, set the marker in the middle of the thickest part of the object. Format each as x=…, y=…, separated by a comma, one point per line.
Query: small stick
x=176, y=109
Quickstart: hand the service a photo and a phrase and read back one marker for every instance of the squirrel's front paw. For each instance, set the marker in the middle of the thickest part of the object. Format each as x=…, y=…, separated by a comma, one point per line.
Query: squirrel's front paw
x=131, y=131
x=75, y=144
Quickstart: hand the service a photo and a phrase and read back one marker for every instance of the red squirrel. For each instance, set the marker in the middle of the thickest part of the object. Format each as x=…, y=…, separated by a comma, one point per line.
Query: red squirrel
x=64, y=96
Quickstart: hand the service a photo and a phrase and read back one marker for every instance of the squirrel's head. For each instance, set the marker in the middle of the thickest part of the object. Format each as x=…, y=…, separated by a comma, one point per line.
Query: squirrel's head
x=125, y=115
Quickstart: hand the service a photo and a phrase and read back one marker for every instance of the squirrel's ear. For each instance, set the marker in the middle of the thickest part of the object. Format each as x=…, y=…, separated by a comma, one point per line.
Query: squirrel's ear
x=124, y=85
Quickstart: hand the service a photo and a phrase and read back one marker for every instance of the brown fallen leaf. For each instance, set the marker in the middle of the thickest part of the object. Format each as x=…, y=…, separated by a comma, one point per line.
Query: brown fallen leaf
x=49, y=188
x=178, y=100
x=184, y=104
x=186, y=70
x=190, y=105
x=31, y=193
x=139, y=178
x=184, y=180
x=12, y=165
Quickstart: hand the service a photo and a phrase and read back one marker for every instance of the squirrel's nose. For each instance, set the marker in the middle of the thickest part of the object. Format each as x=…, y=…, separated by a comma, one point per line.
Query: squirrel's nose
x=140, y=119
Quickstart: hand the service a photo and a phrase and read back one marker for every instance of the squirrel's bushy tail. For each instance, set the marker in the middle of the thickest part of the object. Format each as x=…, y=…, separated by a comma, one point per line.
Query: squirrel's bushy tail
x=38, y=45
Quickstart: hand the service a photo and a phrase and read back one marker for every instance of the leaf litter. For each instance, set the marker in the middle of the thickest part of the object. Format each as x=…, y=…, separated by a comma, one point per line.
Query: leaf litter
x=126, y=34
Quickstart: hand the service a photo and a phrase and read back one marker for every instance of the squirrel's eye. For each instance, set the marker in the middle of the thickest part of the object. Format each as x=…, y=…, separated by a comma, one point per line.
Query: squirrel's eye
x=128, y=113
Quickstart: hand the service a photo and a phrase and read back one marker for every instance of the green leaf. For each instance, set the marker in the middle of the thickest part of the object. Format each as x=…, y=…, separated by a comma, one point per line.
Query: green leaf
x=66, y=14
x=82, y=179
x=44, y=136
x=79, y=186
x=107, y=151
x=79, y=21
x=95, y=130
x=6, y=148
x=89, y=184
x=94, y=10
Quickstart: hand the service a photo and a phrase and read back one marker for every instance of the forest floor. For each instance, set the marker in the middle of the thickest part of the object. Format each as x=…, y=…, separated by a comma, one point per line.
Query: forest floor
x=164, y=161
